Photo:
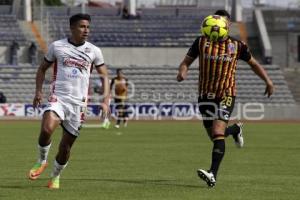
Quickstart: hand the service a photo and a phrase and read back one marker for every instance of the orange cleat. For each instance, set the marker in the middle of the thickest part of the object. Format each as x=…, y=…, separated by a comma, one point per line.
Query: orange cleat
x=37, y=170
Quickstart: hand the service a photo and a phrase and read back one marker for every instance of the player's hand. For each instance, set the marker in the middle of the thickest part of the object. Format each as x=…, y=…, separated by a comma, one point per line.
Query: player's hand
x=181, y=76
x=269, y=89
x=37, y=100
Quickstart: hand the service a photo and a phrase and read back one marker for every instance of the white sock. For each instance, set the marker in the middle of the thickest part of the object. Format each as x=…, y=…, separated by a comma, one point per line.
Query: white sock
x=105, y=120
x=43, y=153
x=57, y=169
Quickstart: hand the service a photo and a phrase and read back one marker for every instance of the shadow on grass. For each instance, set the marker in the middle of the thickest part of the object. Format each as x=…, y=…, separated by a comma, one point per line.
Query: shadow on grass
x=159, y=182
x=142, y=182
x=23, y=185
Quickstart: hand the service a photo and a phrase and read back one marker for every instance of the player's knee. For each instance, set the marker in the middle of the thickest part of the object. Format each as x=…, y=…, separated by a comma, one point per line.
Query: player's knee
x=217, y=135
x=47, y=130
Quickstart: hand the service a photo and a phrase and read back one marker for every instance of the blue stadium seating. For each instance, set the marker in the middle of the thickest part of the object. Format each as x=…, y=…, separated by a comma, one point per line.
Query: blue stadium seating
x=153, y=29
x=10, y=30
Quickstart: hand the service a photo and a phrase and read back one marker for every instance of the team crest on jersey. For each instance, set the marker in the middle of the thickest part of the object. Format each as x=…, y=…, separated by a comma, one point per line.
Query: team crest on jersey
x=207, y=44
x=74, y=71
x=87, y=50
x=231, y=48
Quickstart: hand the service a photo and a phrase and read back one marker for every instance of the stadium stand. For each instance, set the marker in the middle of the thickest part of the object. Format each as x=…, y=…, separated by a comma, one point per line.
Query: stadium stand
x=159, y=27
x=157, y=84
x=10, y=30
x=116, y=32
x=152, y=84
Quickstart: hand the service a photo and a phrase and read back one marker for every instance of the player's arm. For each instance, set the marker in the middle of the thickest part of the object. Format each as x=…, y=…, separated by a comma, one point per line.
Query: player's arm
x=260, y=71
x=188, y=60
x=126, y=84
x=39, y=80
x=103, y=72
x=183, y=68
x=256, y=68
x=112, y=84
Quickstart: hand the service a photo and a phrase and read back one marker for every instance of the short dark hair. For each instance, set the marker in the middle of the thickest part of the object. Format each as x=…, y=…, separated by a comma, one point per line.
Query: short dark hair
x=223, y=13
x=119, y=70
x=80, y=16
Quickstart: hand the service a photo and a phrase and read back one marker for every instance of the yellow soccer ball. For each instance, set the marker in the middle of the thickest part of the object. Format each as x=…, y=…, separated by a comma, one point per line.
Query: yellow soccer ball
x=215, y=27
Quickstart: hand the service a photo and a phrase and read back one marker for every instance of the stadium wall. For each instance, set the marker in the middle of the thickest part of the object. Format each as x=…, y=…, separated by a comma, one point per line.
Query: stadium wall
x=143, y=56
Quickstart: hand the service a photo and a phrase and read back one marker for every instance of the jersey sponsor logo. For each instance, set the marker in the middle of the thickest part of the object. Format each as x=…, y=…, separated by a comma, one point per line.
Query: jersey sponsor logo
x=79, y=64
x=223, y=58
x=231, y=48
x=13, y=109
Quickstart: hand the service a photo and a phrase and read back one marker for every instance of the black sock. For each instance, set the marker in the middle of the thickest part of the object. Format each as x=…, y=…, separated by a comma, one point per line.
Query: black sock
x=232, y=130
x=217, y=155
x=118, y=122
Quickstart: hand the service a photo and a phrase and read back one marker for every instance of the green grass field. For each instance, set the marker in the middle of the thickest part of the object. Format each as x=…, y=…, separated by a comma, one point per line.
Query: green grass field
x=154, y=160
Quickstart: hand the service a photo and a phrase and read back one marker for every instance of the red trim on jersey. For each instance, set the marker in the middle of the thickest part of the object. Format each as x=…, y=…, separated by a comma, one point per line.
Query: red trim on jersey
x=54, y=75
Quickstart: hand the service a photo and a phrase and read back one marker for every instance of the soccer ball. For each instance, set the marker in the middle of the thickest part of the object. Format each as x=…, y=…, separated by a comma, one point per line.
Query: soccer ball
x=215, y=27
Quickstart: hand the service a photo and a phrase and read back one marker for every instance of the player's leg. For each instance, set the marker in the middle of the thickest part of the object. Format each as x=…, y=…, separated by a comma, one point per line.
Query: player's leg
x=218, y=152
x=105, y=123
x=118, y=107
x=50, y=122
x=71, y=127
x=125, y=114
x=208, y=127
x=61, y=159
x=207, y=109
x=236, y=131
x=221, y=110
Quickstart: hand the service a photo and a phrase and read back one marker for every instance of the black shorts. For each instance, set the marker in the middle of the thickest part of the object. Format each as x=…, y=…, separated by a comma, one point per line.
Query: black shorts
x=121, y=107
x=215, y=109
x=120, y=103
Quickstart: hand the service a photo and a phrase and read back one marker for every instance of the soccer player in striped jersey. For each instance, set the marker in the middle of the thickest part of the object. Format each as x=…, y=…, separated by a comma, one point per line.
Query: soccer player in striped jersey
x=217, y=90
x=73, y=59
x=119, y=85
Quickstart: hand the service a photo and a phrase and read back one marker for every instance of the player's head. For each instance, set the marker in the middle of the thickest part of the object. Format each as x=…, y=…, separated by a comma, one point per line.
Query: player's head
x=80, y=26
x=119, y=72
x=223, y=13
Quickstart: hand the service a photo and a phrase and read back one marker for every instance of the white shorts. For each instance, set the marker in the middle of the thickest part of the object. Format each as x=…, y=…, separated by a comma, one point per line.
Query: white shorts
x=70, y=115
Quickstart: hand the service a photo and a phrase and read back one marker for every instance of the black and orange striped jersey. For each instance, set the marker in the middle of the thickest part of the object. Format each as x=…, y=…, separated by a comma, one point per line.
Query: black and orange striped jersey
x=217, y=64
x=119, y=85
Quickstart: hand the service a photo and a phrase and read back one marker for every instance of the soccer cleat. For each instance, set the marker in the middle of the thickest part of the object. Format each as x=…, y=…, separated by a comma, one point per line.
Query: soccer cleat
x=238, y=138
x=36, y=170
x=54, y=183
x=105, y=125
x=208, y=177
x=117, y=126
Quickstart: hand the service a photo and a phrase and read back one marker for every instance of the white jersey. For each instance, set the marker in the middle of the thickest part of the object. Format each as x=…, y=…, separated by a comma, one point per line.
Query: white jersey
x=72, y=70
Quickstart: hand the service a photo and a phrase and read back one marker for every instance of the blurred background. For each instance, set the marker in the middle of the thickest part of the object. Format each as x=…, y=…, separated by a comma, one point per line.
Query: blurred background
x=148, y=39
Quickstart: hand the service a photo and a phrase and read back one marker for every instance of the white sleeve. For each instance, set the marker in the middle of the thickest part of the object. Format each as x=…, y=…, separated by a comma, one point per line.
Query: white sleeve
x=99, y=60
x=50, y=56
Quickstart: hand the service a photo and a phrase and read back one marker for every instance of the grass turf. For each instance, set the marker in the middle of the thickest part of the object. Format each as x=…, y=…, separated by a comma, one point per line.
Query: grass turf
x=154, y=160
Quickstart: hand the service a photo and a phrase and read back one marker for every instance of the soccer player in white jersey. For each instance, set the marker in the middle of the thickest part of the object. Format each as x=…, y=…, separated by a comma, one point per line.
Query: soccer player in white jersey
x=73, y=59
